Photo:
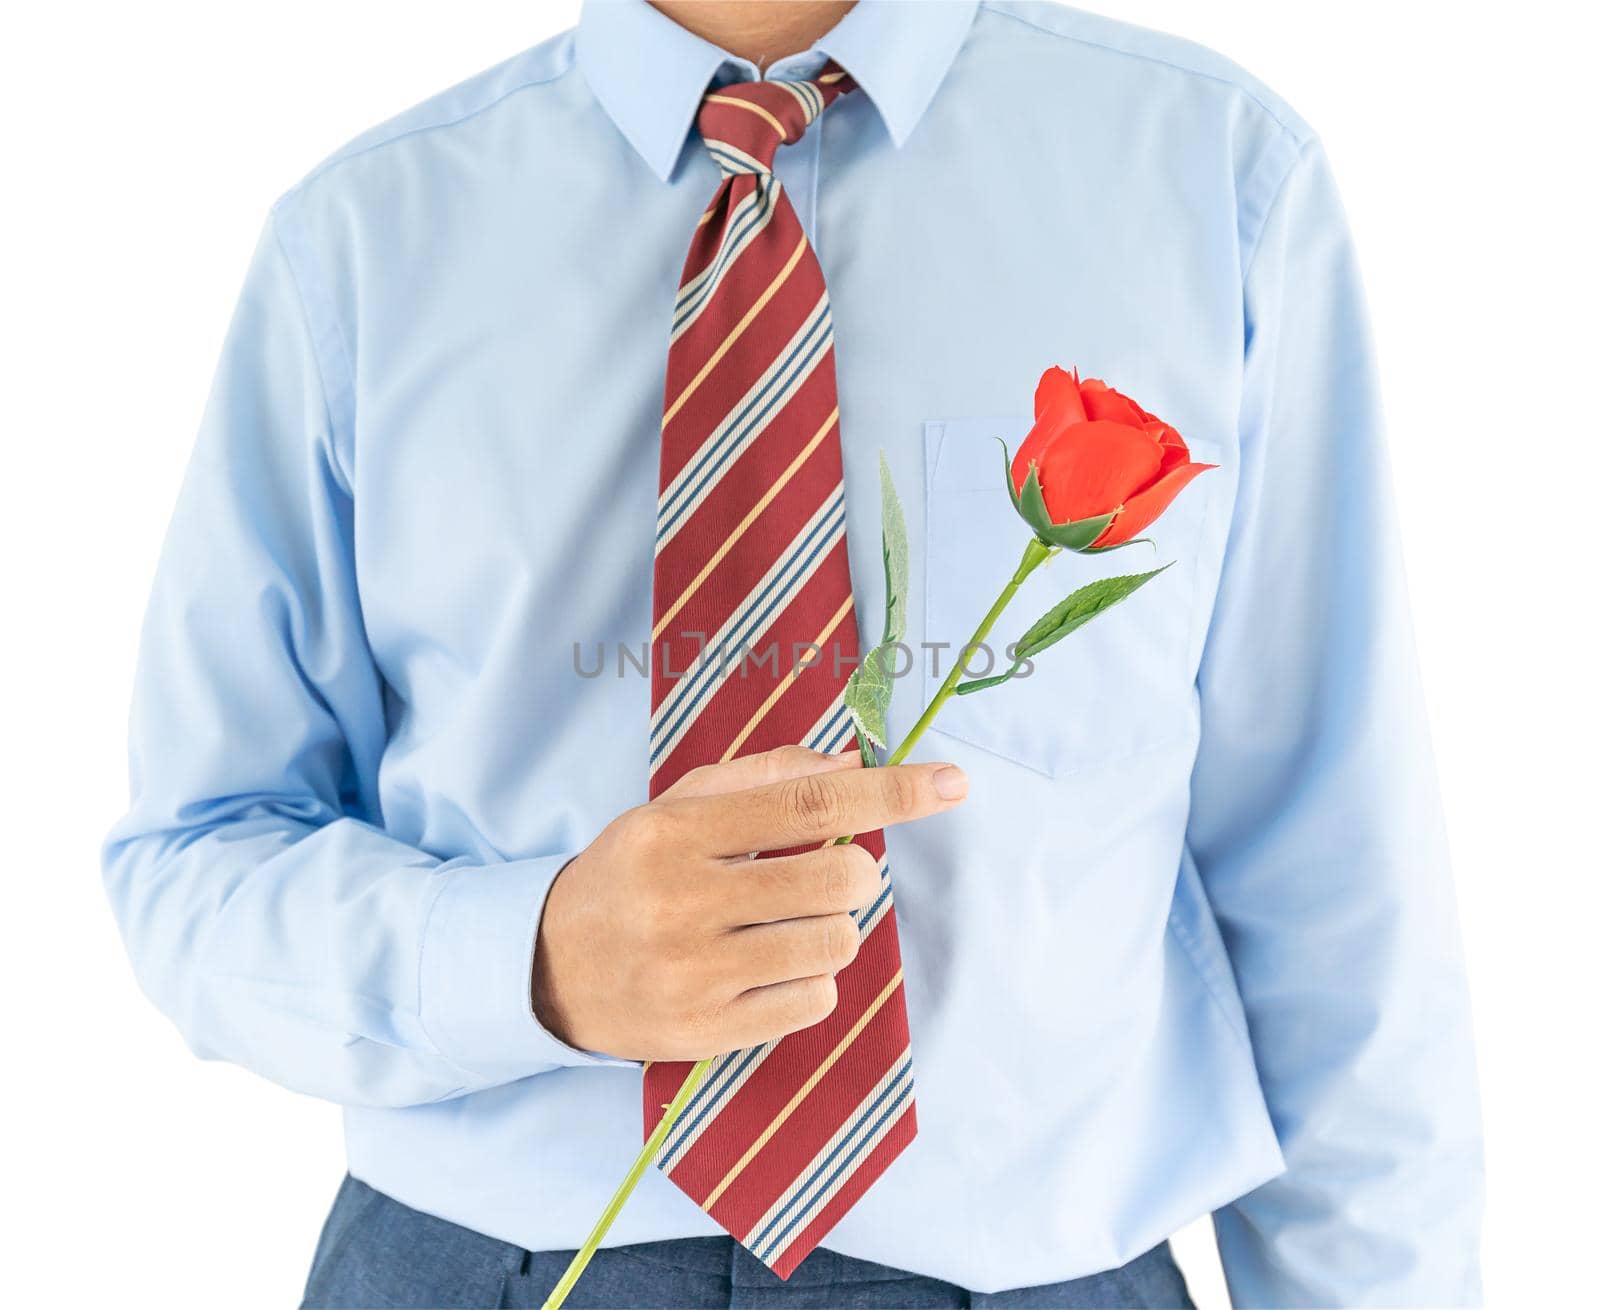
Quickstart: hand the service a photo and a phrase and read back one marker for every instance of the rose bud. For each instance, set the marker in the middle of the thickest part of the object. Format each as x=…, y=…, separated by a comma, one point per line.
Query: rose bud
x=1096, y=469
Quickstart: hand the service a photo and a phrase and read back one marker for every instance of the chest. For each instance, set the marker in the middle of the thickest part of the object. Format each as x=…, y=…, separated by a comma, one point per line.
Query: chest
x=508, y=429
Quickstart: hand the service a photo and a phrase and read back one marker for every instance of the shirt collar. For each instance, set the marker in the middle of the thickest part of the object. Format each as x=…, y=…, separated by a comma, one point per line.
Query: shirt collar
x=649, y=74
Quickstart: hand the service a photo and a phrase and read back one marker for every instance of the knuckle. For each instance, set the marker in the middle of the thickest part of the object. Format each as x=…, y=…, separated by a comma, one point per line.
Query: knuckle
x=814, y=1001
x=641, y=828
x=863, y=870
x=669, y=824
x=811, y=804
x=841, y=940
x=838, y=878
x=900, y=792
x=786, y=759
x=694, y=779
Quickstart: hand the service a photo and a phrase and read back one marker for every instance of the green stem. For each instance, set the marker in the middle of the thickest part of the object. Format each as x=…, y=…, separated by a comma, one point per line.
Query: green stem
x=1037, y=553
x=1034, y=555
x=619, y=1198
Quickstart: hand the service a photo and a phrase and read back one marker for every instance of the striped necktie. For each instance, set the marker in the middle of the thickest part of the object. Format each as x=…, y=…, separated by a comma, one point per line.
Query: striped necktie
x=752, y=581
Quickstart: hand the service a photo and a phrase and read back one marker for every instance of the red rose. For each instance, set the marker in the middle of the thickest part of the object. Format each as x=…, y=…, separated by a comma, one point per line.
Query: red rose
x=1096, y=469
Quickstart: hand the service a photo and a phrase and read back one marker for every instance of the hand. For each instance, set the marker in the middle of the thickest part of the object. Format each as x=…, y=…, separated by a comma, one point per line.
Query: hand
x=665, y=940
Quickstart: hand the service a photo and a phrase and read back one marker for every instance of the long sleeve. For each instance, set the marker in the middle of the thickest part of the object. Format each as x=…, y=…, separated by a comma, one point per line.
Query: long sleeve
x=1316, y=824
x=263, y=906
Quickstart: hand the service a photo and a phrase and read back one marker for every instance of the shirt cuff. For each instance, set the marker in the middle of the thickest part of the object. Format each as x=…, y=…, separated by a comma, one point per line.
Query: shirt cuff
x=477, y=972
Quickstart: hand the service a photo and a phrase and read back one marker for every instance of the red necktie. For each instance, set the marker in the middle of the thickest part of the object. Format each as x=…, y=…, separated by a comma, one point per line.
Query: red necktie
x=780, y=1141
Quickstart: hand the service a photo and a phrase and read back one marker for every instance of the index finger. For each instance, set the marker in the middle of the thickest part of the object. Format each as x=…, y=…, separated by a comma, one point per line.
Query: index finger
x=819, y=807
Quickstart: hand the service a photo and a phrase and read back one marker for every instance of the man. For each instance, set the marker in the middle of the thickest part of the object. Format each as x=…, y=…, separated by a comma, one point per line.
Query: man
x=1171, y=930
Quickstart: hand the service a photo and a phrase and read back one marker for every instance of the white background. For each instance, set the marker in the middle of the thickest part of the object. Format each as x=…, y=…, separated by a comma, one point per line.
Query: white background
x=143, y=144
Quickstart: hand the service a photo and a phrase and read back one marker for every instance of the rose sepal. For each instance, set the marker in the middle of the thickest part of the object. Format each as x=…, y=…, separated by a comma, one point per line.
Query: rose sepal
x=1106, y=550
x=1077, y=536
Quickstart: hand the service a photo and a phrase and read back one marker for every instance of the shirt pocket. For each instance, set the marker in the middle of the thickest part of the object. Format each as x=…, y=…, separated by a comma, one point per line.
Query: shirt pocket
x=1120, y=685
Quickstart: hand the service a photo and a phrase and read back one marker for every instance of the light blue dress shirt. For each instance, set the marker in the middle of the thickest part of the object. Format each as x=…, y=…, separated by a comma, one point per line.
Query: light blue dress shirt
x=1189, y=947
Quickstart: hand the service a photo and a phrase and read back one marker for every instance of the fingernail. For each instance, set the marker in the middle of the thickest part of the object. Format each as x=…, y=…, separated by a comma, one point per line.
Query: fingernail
x=950, y=782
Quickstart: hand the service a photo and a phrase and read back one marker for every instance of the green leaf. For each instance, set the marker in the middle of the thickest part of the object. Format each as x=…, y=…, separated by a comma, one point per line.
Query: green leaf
x=896, y=558
x=869, y=756
x=866, y=694
x=1077, y=609
x=1071, y=614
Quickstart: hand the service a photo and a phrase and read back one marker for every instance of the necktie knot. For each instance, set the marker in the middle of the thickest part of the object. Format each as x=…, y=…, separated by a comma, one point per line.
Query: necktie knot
x=744, y=123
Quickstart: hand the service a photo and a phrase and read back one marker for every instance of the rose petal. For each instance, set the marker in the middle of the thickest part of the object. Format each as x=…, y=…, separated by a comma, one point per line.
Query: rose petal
x=1143, y=509
x=1173, y=450
x=1057, y=396
x=1031, y=448
x=1091, y=468
x=1103, y=402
